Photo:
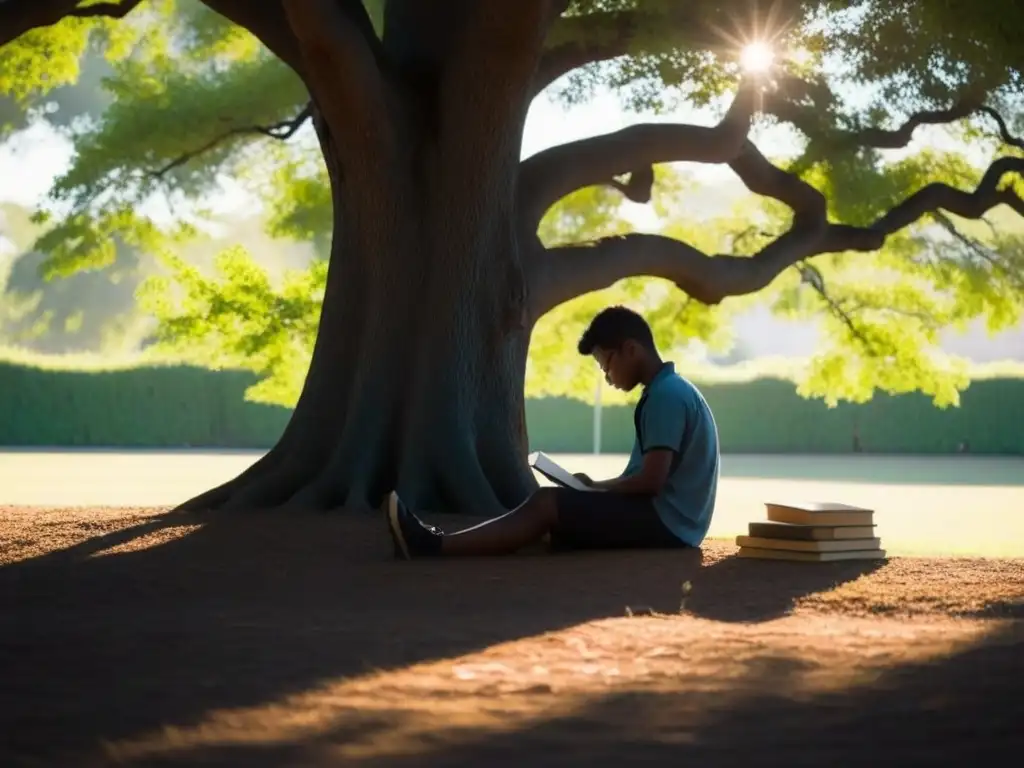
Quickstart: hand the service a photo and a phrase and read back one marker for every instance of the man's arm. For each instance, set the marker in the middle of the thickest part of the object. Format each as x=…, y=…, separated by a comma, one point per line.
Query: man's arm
x=648, y=480
x=663, y=424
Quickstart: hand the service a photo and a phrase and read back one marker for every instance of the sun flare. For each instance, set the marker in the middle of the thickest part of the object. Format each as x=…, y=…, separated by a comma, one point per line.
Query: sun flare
x=757, y=57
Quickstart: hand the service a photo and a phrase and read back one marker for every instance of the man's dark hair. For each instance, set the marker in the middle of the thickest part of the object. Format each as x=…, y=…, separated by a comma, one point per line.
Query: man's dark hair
x=613, y=327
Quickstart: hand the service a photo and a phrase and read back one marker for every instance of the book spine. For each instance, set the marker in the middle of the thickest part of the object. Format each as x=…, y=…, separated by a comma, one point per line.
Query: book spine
x=769, y=531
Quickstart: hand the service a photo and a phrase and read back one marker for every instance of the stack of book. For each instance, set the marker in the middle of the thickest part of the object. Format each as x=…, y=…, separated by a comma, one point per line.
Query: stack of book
x=815, y=531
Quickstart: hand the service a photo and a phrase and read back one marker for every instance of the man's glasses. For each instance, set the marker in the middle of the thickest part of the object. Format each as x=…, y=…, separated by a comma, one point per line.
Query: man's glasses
x=607, y=364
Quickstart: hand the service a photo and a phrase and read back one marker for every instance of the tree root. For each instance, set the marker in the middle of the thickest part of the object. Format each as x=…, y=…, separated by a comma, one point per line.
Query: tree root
x=435, y=475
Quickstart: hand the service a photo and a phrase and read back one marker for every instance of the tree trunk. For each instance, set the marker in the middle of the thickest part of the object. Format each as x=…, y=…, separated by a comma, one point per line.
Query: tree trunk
x=417, y=375
x=416, y=381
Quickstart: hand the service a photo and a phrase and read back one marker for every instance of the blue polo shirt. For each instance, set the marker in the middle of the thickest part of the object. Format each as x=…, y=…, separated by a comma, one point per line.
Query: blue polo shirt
x=673, y=414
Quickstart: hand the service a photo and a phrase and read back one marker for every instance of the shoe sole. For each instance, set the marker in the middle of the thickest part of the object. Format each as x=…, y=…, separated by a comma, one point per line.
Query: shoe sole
x=396, y=526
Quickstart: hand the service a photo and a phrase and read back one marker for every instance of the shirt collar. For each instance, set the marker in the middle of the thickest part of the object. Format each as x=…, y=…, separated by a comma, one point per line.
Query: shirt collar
x=667, y=369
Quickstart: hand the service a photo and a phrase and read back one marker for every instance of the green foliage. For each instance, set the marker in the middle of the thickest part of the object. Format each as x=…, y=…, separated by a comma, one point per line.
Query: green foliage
x=53, y=69
x=926, y=54
x=672, y=59
x=181, y=90
x=239, y=319
x=860, y=187
x=59, y=105
x=43, y=59
x=183, y=81
x=143, y=132
x=42, y=314
x=93, y=310
x=83, y=241
x=300, y=206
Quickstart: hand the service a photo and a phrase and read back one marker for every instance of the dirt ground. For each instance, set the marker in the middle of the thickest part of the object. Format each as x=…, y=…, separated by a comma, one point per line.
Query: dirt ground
x=132, y=637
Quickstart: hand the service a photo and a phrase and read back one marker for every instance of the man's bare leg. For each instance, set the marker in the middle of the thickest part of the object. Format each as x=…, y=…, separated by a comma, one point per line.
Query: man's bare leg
x=524, y=525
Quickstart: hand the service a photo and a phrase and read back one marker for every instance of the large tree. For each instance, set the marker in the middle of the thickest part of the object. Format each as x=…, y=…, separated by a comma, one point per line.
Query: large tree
x=436, y=273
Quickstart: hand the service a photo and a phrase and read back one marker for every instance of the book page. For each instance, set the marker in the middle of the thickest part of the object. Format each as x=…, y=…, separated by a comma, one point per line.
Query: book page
x=817, y=506
x=557, y=474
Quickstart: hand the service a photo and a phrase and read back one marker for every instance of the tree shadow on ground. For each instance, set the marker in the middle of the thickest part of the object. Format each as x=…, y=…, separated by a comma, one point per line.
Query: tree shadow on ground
x=99, y=643
x=746, y=590
x=956, y=710
x=963, y=709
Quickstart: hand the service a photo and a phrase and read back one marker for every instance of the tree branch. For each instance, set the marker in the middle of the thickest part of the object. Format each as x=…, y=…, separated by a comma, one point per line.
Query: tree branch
x=282, y=131
x=817, y=99
x=19, y=16
x=586, y=39
x=110, y=10
x=1004, y=131
x=811, y=119
x=342, y=70
x=551, y=174
x=880, y=138
x=267, y=22
x=812, y=276
x=576, y=41
x=570, y=271
x=979, y=250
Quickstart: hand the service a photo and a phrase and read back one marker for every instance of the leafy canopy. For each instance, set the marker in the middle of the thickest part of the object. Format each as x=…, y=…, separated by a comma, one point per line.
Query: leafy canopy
x=189, y=105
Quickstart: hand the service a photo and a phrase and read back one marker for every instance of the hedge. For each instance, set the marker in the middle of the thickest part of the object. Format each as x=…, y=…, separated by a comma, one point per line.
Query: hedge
x=175, y=406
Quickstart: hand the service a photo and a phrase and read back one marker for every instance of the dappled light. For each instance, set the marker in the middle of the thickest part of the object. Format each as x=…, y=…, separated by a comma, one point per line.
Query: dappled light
x=80, y=533
x=159, y=537
x=698, y=671
x=269, y=641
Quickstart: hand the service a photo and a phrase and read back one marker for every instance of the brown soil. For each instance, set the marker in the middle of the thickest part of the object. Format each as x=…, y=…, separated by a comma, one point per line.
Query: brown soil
x=130, y=637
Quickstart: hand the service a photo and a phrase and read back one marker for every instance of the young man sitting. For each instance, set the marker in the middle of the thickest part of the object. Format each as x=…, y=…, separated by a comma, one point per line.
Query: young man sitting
x=664, y=498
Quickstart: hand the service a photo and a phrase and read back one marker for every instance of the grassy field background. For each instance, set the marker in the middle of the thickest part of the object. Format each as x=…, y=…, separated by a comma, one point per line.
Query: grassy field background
x=956, y=505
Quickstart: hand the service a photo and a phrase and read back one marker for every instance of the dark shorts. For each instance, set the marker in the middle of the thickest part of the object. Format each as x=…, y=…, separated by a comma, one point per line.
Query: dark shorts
x=605, y=520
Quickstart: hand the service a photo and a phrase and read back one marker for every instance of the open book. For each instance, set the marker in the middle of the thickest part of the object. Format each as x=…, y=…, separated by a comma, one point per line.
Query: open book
x=557, y=474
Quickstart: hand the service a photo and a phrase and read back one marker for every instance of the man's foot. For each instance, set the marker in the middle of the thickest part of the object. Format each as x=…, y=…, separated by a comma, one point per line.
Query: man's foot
x=411, y=536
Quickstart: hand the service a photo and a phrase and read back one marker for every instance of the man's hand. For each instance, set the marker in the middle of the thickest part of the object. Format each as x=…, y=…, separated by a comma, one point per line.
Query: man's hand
x=583, y=478
x=648, y=480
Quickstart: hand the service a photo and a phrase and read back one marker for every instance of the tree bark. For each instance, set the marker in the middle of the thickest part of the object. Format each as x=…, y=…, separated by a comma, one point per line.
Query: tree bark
x=576, y=269
x=416, y=383
x=20, y=16
x=417, y=376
